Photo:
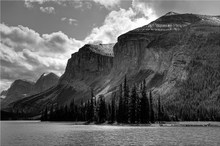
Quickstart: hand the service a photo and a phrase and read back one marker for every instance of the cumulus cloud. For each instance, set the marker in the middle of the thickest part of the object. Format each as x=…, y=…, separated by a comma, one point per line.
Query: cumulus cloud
x=143, y=7
x=25, y=54
x=108, y=3
x=75, y=3
x=30, y=3
x=69, y=20
x=121, y=21
x=48, y=10
x=63, y=19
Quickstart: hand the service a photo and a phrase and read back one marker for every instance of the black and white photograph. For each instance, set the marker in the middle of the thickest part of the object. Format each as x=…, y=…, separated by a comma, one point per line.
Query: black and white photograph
x=109, y=73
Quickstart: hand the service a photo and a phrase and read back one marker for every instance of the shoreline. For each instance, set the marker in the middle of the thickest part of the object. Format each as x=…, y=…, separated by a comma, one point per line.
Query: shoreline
x=172, y=124
x=162, y=124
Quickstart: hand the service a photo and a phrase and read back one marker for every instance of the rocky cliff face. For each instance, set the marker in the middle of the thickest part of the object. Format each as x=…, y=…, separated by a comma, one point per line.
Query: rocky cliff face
x=150, y=46
x=90, y=62
x=166, y=46
x=178, y=55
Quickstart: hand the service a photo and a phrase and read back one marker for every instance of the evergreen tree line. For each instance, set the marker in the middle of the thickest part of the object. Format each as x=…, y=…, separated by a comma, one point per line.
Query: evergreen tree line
x=129, y=105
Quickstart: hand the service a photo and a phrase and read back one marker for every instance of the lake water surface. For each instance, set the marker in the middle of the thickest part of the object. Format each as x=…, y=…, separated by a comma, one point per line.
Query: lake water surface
x=34, y=133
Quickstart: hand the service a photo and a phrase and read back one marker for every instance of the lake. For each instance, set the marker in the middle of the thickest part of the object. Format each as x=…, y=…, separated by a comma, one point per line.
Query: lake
x=34, y=133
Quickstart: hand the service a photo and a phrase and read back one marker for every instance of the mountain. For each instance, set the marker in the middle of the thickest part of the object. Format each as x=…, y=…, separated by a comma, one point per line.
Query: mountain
x=18, y=90
x=178, y=55
x=3, y=93
x=22, y=88
x=45, y=82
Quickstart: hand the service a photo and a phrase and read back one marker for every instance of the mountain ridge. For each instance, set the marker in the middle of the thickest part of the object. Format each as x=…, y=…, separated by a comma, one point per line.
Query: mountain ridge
x=22, y=88
x=170, y=54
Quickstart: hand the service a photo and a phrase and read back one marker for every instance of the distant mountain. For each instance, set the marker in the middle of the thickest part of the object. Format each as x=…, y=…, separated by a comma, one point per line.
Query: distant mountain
x=18, y=90
x=178, y=55
x=45, y=82
x=3, y=93
x=22, y=88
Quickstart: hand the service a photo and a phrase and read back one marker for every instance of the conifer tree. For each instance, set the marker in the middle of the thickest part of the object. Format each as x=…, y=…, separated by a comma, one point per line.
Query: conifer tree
x=72, y=108
x=45, y=115
x=65, y=114
x=151, y=108
x=82, y=107
x=126, y=101
x=159, y=110
x=120, y=106
x=113, y=108
x=88, y=111
x=91, y=110
x=144, y=109
x=133, y=105
x=51, y=113
x=102, y=109
x=138, y=109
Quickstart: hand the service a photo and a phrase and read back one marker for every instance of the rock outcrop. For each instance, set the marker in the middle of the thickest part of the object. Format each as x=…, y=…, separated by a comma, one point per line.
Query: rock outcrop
x=174, y=54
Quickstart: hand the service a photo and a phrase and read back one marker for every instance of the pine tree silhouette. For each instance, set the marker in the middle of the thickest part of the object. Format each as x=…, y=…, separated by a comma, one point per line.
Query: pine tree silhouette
x=151, y=108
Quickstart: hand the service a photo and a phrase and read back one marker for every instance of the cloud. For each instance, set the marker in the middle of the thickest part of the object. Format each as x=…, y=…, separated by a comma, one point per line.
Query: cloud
x=30, y=3
x=25, y=54
x=70, y=20
x=4, y=84
x=108, y=3
x=75, y=3
x=121, y=21
x=78, y=4
x=48, y=10
x=143, y=7
x=63, y=18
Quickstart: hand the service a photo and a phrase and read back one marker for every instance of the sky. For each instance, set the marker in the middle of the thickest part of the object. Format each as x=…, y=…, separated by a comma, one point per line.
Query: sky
x=39, y=36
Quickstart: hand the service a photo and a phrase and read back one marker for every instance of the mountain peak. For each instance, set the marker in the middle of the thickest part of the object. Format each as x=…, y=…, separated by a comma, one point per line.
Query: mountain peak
x=48, y=74
x=171, y=21
x=45, y=81
x=44, y=74
x=171, y=13
x=103, y=49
